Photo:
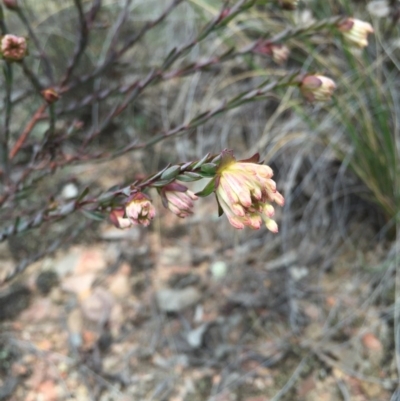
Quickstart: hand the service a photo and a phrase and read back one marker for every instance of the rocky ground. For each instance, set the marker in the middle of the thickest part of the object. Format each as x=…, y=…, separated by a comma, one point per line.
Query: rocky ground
x=186, y=312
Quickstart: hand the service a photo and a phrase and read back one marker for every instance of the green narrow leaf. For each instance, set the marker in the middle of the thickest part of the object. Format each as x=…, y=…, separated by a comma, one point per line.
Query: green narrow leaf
x=208, y=189
x=83, y=194
x=189, y=177
x=201, y=162
x=170, y=172
x=209, y=168
x=93, y=215
x=161, y=183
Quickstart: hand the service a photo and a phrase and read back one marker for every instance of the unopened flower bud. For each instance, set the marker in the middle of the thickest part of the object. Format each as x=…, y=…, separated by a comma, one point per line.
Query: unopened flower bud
x=177, y=198
x=13, y=48
x=317, y=88
x=11, y=4
x=278, y=52
x=117, y=218
x=289, y=4
x=356, y=31
x=139, y=209
x=50, y=95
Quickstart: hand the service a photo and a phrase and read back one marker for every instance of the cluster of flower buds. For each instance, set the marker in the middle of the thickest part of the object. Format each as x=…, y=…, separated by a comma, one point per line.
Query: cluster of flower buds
x=13, y=48
x=317, y=88
x=278, y=52
x=244, y=191
x=355, y=31
x=138, y=211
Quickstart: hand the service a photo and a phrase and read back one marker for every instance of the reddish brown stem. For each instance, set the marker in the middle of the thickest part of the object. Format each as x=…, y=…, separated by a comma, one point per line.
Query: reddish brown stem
x=21, y=140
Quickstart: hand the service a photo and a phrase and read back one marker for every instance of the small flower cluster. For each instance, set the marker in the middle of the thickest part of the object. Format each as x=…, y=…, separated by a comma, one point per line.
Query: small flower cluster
x=245, y=192
x=138, y=211
x=13, y=48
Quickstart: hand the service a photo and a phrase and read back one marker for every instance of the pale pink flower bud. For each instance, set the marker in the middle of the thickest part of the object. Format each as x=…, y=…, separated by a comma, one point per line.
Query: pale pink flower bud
x=317, y=88
x=356, y=31
x=139, y=209
x=245, y=190
x=271, y=225
x=278, y=52
x=178, y=199
x=13, y=48
x=117, y=218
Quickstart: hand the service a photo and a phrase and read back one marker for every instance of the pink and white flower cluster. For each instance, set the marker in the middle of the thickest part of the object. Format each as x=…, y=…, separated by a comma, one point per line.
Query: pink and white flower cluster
x=245, y=192
x=13, y=48
x=138, y=211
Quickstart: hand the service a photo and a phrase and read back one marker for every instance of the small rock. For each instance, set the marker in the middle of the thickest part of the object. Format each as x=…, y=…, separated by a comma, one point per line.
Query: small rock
x=195, y=337
x=79, y=285
x=175, y=300
x=67, y=264
x=111, y=233
x=371, y=342
x=219, y=269
x=91, y=260
x=97, y=307
x=371, y=390
x=174, y=256
x=285, y=260
x=75, y=321
x=69, y=191
x=14, y=302
x=298, y=272
x=119, y=286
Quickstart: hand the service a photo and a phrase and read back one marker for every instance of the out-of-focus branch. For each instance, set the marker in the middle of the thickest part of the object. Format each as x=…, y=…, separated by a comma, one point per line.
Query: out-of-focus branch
x=31, y=76
x=21, y=140
x=115, y=55
x=42, y=54
x=8, y=79
x=81, y=45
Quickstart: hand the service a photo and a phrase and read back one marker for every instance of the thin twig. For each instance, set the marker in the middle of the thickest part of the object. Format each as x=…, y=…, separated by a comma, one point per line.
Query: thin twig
x=21, y=140
x=31, y=76
x=8, y=78
x=81, y=45
x=42, y=53
x=114, y=55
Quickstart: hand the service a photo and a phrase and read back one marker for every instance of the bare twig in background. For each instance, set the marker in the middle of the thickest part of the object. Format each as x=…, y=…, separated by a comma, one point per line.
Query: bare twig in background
x=25, y=133
x=42, y=54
